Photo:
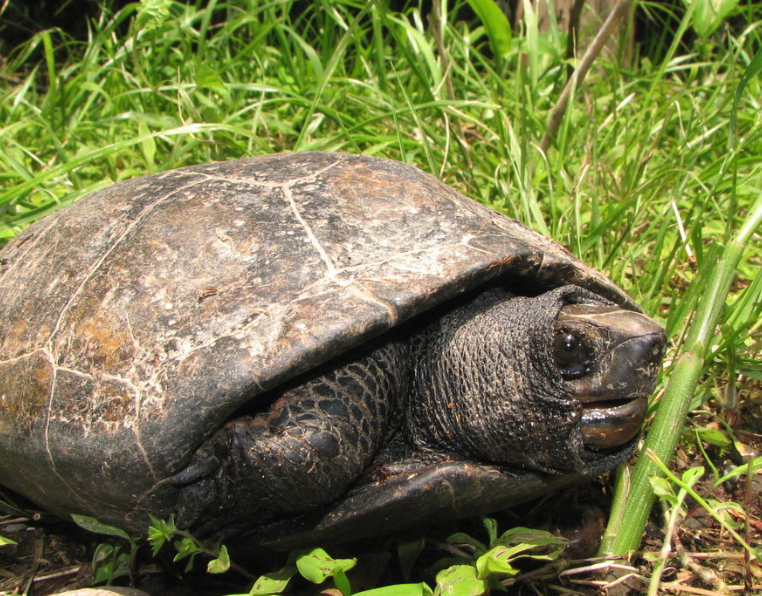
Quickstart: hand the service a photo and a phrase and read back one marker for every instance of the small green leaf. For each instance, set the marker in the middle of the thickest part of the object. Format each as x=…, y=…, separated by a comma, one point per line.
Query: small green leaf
x=4, y=541
x=102, y=552
x=651, y=557
x=497, y=560
x=709, y=14
x=186, y=547
x=207, y=78
x=532, y=537
x=221, y=564
x=722, y=509
x=496, y=24
x=691, y=476
x=663, y=489
x=398, y=590
x=152, y=14
x=342, y=583
x=103, y=563
x=165, y=527
x=407, y=554
x=459, y=580
x=317, y=565
x=160, y=532
x=109, y=563
x=714, y=436
x=491, y=526
x=122, y=565
x=516, y=543
x=103, y=573
x=742, y=469
x=93, y=525
x=462, y=539
x=148, y=144
x=273, y=583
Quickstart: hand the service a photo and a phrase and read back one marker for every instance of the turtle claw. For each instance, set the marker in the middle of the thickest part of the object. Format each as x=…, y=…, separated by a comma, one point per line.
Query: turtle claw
x=194, y=500
x=198, y=488
x=200, y=467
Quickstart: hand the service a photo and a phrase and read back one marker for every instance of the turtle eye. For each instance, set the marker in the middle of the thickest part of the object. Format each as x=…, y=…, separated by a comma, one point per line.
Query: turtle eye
x=572, y=355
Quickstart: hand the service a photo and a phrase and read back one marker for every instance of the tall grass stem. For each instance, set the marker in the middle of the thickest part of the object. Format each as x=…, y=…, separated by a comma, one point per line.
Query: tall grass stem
x=631, y=510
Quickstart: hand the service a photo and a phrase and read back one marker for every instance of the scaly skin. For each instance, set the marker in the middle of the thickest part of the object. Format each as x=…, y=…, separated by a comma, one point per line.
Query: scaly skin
x=305, y=451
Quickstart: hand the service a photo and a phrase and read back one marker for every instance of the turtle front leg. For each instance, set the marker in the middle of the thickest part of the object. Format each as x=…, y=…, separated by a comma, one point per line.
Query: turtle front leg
x=305, y=451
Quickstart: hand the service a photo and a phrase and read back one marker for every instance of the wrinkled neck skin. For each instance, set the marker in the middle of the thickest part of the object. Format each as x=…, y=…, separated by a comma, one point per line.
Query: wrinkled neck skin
x=486, y=386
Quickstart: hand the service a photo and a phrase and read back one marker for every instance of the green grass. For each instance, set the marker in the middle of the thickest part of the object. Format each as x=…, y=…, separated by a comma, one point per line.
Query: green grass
x=642, y=181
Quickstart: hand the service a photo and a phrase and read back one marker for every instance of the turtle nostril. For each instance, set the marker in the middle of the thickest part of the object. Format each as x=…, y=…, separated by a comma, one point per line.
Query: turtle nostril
x=658, y=343
x=647, y=349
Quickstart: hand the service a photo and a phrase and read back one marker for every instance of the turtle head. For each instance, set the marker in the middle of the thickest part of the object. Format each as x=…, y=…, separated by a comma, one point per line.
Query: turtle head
x=555, y=382
x=609, y=359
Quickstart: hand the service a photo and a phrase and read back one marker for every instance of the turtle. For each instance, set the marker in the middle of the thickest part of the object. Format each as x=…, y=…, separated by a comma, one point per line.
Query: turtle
x=307, y=347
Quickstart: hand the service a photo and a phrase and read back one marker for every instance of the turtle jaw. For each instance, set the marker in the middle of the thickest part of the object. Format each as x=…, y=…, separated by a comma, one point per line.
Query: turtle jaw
x=604, y=425
x=613, y=395
x=615, y=398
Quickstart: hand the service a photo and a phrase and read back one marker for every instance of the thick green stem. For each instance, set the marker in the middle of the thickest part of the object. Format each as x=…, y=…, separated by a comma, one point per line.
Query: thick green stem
x=630, y=512
x=662, y=439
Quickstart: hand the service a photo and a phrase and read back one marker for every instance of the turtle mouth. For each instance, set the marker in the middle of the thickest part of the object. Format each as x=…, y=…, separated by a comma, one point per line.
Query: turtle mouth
x=605, y=424
x=624, y=350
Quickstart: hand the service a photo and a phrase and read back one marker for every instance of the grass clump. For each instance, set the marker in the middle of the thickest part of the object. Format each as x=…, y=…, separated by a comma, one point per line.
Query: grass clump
x=656, y=169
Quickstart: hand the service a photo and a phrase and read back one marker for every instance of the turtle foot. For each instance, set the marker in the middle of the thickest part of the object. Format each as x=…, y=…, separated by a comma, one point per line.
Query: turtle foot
x=198, y=485
x=194, y=500
x=198, y=468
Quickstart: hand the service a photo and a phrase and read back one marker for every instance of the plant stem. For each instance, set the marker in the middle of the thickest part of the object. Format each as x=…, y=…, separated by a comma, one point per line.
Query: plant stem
x=702, y=503
x=595, y=48
x=631, y=511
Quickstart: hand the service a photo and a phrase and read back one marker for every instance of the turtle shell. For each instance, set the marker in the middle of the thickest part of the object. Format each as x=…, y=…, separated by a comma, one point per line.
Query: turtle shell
x=137, y=320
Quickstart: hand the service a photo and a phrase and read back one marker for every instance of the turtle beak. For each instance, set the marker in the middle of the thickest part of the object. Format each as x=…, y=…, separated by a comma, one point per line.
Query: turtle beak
x=627, y=349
